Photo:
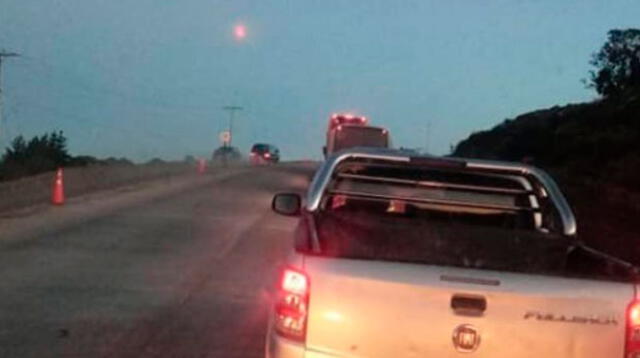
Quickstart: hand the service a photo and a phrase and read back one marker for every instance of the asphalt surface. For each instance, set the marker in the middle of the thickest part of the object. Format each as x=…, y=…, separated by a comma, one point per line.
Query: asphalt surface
x=184, y=275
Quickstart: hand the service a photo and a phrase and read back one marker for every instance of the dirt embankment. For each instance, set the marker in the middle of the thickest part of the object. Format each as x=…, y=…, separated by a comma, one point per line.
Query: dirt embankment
x=593, y=151
x=83, y=180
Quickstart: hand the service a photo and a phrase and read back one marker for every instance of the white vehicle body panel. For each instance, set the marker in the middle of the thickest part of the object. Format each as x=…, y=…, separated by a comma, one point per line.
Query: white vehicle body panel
x=381, y=309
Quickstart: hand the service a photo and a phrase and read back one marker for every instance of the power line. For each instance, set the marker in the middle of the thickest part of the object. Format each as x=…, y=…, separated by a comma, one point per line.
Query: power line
x=62, y=77
x=3, y=54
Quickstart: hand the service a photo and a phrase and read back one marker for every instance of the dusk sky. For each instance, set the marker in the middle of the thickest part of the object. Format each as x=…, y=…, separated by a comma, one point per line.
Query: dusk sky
x=148, y=78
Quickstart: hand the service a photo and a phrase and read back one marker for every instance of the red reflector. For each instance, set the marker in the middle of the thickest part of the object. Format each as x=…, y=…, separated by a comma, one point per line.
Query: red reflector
x=338, y=201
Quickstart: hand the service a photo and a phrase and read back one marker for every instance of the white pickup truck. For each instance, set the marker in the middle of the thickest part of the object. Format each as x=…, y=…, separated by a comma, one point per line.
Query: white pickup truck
x=399, y=256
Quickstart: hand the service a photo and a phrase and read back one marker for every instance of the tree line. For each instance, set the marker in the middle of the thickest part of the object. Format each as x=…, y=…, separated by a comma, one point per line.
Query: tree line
x=617, y=64
x=598, y=140
x=39, y=154
x=44, y=153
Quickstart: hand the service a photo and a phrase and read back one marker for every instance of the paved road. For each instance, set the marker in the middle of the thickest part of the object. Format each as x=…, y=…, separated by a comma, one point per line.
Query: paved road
x=179, y=276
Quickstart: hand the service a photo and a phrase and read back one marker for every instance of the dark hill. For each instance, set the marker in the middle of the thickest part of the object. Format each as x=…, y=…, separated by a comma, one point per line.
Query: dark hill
x=593, y=151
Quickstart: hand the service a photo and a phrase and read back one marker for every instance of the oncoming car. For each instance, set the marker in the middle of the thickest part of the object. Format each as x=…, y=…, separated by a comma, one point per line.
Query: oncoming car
x=262, y=153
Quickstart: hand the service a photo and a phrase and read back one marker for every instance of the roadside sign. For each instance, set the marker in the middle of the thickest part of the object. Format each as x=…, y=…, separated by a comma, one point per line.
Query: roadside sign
x=225, y=137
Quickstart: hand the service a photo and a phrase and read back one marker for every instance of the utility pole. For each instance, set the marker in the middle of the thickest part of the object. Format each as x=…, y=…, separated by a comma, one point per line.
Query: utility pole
x=232, y=110
x=3, y=54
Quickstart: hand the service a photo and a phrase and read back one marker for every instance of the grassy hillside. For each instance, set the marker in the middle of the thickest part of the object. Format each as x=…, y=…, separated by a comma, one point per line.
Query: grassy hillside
x=593, y=151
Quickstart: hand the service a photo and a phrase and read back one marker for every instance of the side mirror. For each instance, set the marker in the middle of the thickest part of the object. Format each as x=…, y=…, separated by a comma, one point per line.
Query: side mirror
x=287, y=204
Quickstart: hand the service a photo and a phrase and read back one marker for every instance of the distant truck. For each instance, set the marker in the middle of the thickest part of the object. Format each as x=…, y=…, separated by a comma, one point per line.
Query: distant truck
x=347, y=131
x=351, y=136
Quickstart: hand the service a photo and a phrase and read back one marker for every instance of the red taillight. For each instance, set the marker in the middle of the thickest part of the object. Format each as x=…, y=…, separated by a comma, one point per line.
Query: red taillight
x=632, y=346
x=291, y=304
x=267, y=155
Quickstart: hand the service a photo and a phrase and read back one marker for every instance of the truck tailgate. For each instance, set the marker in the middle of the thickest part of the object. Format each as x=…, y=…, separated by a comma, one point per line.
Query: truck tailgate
x=366, y=308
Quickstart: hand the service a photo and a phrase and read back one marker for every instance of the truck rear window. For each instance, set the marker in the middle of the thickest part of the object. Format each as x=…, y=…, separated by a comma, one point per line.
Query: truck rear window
x=459, y=240
x=369, y=236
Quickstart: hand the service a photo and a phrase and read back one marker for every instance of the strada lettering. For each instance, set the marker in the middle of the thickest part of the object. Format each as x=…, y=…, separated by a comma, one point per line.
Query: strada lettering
x=540, y=316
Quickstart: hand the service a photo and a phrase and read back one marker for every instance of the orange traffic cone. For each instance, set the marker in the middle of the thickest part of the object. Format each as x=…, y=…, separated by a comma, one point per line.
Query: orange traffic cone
x=202, y=165
x=57, y=194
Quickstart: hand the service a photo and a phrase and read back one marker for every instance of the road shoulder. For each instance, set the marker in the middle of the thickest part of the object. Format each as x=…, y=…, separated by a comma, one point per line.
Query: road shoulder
x=39, y=219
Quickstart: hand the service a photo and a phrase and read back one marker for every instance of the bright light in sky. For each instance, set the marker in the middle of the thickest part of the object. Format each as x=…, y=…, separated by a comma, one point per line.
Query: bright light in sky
x=240, y=31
